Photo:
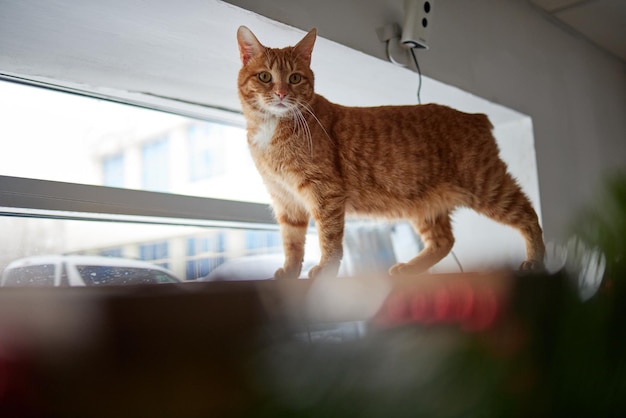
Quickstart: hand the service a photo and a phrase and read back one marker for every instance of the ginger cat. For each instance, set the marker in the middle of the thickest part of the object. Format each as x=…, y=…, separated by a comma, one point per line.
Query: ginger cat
x=325, y=160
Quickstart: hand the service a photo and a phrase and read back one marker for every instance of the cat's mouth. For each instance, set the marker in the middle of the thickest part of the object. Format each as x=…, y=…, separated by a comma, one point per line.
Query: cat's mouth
x=274, y=106
x=279, y=107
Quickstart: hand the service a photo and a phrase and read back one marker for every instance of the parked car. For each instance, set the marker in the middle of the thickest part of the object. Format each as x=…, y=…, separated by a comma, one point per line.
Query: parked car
x=83, y=270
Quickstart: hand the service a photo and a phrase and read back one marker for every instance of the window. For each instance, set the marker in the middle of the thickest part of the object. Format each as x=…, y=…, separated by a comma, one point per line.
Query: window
x=156, y=252
x=113, y=170
x=123, y=146
x=206, y=149
x=40, y=275
x=204, y=254
x=155, y=165
x=116, y=275
x=111, y=252
x=259, y=242
x=187, y=252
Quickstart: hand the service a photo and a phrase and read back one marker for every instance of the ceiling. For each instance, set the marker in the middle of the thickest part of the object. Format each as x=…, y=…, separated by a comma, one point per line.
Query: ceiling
x=603, y=22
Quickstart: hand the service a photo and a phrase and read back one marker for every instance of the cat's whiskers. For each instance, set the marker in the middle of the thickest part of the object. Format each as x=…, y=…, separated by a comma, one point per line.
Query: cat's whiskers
x=300, y=126
x=300, y=123
x=295, y=128
x=304, y=105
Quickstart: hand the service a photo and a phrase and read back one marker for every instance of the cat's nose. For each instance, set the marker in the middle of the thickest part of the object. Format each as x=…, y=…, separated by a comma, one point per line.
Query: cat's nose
x=281, y=94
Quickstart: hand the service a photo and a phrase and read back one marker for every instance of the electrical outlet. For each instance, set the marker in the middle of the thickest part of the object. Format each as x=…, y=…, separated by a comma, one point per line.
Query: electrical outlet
x=417, y=23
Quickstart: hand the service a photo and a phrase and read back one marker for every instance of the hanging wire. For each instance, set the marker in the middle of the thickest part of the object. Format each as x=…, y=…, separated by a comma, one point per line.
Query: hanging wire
x=419, y=73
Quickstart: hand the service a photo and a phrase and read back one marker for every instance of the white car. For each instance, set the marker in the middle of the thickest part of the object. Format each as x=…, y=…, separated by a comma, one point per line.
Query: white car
x=83, y=270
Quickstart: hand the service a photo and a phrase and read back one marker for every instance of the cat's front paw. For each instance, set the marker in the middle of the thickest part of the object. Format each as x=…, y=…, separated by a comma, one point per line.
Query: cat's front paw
x=283, y=273
x=531, y=266
x=315, y=271
x=405, y=269
x=327, y=270
x=397, y=269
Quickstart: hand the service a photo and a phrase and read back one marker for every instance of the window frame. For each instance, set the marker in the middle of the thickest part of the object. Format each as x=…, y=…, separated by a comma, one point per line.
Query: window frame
x=24, y=197
x=27, y=197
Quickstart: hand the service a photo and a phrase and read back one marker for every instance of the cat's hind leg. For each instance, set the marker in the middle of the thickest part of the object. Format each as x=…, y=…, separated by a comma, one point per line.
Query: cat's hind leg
x=436, y=234
x=509, y=205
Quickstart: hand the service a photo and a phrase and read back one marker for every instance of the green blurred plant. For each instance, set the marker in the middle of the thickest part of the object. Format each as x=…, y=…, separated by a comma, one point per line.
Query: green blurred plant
x=603, y=225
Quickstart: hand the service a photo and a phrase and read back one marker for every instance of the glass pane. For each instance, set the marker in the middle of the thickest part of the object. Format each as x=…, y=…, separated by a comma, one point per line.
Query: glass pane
x=35, y=275
x=155, y=169
x=63, y=252
x=113, y=170
x=52, y=135
x=98, y=275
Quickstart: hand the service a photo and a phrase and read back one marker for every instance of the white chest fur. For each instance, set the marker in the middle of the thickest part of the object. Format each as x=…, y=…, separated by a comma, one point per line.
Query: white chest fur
x=264, y=133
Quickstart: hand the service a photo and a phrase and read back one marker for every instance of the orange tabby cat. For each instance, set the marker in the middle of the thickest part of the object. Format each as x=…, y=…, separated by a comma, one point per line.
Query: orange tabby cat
x=324, y=160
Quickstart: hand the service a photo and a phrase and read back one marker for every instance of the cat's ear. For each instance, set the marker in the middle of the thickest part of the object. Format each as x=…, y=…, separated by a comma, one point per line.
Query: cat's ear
x=304, y=48
x=249, y=45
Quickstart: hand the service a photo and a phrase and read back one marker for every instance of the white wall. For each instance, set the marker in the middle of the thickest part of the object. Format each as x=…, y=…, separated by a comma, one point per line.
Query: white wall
x=505, y=51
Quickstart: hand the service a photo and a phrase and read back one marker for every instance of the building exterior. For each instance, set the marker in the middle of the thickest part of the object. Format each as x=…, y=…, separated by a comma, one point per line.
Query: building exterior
x=61, y=137
x=190, y=157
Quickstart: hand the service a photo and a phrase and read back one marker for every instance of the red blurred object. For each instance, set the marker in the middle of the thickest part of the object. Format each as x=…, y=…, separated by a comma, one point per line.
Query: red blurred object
x=421, y=308
x=471, y=300
x=485, y=312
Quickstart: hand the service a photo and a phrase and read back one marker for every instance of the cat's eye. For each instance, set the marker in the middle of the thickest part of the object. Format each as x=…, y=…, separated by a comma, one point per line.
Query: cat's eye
x=265, y=77
x=295, y=78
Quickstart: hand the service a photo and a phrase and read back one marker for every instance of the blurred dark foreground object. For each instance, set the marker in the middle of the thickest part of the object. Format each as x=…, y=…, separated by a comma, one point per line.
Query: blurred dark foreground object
x=240, y=349
x=462, y=345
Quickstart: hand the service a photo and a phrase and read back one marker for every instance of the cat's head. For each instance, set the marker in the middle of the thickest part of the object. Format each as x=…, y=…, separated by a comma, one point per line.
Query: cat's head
x=275, y=81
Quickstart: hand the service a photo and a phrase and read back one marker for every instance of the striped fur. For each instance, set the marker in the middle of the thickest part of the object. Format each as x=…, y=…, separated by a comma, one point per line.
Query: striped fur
x=323, y=160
